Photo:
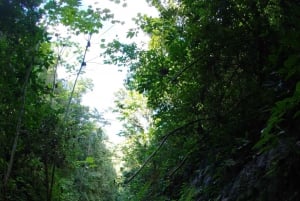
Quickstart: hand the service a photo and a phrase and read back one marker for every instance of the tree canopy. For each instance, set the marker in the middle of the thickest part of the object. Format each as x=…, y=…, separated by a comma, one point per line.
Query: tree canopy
x=52, y=147
x=211, y=109
x=222, y=81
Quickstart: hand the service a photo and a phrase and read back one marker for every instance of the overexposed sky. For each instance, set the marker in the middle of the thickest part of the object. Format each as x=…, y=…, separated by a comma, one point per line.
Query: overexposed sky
x=108, y=79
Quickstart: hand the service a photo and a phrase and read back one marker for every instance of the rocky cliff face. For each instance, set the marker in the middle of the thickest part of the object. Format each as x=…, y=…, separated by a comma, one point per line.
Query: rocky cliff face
x=269, y=176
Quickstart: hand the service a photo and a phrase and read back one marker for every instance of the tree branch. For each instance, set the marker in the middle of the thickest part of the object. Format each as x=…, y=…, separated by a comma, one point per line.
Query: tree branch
x=180, y=164
x=175, y=77
x=160, y=146
x=83, y=63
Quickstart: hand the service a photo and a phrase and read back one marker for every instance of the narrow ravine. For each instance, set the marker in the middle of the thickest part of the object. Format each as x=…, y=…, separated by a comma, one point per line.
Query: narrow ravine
x=149, y=100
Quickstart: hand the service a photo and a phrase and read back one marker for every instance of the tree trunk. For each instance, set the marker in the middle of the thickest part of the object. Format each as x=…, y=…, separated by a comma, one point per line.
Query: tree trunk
x=18, y=127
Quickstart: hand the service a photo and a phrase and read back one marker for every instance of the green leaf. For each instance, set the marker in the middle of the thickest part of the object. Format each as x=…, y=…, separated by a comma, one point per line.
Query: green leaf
x=90, y=160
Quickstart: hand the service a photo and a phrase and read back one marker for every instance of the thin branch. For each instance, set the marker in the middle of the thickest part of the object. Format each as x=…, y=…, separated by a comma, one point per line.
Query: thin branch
x=180, y=164
x=107, y=30
x=55, y=68
x=96, y=57
x=52, y=181
x=174, y=78
x=160, y=146
x=83, y=63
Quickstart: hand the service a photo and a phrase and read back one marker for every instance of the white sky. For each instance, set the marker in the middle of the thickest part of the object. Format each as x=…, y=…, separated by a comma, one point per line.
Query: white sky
x=106, y=78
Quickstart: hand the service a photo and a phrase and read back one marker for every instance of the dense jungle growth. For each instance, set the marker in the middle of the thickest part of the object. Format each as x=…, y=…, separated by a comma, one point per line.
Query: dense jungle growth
x=52, y=148
x=211, y=109
x=222, y=81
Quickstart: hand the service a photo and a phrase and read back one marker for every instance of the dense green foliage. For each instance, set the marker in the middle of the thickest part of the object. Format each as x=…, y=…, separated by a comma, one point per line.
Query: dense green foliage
x=211, y=110
x=222, y=79
x=52, y=148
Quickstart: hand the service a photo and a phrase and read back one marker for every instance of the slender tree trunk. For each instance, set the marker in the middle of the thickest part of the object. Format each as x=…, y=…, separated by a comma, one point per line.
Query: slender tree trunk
x=74, y=85
x=49, y=182
x=46, y=180
x=18, y=127
x=55, y=73
x=19, y=121
x=52, y=182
